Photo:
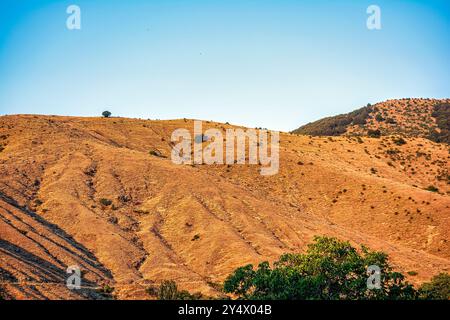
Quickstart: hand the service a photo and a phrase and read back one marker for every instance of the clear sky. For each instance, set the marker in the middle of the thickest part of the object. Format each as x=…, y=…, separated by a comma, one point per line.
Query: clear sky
x=260, y=63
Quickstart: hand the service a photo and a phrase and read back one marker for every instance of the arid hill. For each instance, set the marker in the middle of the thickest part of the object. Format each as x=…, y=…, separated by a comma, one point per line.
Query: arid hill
x=104, y=194
x=425, y=118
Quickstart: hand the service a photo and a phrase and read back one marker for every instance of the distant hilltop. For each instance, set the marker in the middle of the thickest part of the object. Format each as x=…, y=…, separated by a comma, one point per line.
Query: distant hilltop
x=425, y=118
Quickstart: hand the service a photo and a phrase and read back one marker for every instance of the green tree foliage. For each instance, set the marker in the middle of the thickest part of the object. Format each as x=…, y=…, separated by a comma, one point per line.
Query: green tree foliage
x=437, y=289
x=106, y=114
x=329, y=270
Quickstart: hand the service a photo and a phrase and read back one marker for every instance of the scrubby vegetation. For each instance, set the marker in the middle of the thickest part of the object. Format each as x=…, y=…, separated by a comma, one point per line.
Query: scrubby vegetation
x=432, y=189
x=2, y=293
x=106, y=291
x=156, y=153
x=441, y=113
x=329, y=270
x=437, y=289
x=105, y=202
x=374, y=133
x=168, y=290
x=399, y=141
x=426, y=118
x=335, y=126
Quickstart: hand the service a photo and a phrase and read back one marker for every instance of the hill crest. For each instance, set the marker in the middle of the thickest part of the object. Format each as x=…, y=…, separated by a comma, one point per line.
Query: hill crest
x=411, y=117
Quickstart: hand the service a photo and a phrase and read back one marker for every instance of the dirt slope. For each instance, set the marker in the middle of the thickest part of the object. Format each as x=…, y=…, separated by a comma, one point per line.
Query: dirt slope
x=195, y=224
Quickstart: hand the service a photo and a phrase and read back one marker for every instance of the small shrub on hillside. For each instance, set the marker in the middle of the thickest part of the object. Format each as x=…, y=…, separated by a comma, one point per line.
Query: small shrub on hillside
x=106, y=291
x=169, y=291
x=196, y=237
x=374, y=133
x=105, y=202
x=399, y=141
x=156, y=153
x=432, y=189
x=2, y=293
x=391, y=121
x=379, y=117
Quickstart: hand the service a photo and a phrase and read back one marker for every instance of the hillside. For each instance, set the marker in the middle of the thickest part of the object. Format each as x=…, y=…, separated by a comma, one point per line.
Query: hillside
x=103, y=194
x=425, y=118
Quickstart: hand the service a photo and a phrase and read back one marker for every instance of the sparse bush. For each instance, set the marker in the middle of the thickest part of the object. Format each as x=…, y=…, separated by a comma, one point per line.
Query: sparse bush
x=379, y=117
x=196, y=237
x=432, y=189
x=169, y=291
x=392, y=152
x=2, y=293
x=106, y=291
x=391, y=121
x=152, y=290
x=105, y=202
x=156, y=153
x=399, y=141
x=374, y=133
x=113, y=220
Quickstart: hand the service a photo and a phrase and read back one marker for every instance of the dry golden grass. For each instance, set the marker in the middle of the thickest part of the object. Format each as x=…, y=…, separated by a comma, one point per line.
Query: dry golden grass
x=195, y=224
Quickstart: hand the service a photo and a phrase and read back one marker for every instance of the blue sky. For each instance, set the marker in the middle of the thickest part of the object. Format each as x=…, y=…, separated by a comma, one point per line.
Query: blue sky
x=274, y=63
